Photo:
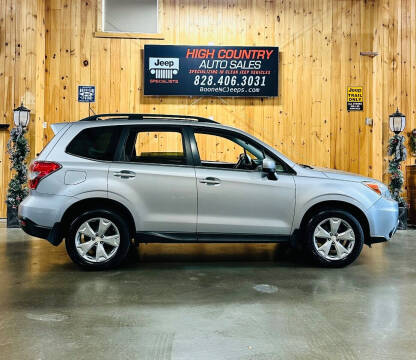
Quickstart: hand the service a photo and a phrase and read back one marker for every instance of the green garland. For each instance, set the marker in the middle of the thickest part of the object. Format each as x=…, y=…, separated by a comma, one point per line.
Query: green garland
x=412, y=142
x=396, y=149
x=18, y=149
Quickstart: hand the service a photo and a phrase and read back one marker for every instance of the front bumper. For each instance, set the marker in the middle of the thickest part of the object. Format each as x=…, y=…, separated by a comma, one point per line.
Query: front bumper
x=383, y=218
x=379, y=239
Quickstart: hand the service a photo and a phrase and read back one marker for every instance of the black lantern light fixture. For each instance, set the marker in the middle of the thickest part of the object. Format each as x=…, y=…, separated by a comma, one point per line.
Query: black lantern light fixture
x=397, y=122
x=21, y=116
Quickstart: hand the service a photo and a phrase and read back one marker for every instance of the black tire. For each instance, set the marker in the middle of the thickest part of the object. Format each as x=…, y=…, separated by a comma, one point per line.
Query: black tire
x=124, y=240
x=311, y=249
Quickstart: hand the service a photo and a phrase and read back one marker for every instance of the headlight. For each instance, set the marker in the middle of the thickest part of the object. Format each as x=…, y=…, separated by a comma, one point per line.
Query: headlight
x=380, y=189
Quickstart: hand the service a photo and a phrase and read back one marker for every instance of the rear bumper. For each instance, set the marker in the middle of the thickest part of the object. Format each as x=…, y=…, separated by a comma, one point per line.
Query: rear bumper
x=52, y=234
x=40, y=215
x=33, y=229
x=44, y=209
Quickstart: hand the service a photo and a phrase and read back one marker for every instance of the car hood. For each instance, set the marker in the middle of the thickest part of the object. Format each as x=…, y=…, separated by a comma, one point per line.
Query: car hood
x=342, y=175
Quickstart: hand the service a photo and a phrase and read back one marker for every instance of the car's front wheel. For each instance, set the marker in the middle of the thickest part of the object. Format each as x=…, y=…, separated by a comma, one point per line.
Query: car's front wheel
x=334, y=238
x=98, y=240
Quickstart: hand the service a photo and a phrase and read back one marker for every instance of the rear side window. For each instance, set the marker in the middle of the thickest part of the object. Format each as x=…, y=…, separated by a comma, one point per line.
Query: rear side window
x=96, y=143
x=156, y=147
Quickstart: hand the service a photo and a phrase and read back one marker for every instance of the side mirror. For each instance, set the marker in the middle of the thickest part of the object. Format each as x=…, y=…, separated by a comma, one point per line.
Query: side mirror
x=269, y=167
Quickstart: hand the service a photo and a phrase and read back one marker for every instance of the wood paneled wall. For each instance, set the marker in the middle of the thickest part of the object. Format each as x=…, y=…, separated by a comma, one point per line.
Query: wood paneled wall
x=22, y=74
x=320, y=43
x=395, y=68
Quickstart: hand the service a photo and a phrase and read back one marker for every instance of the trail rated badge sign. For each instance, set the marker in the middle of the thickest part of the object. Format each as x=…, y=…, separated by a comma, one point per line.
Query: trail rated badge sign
x=355, y=98
x=210, y=70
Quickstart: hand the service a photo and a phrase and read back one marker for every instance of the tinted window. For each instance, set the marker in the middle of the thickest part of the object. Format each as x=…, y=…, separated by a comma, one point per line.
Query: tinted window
x=225, y=151
x=220, y=149
x=97, y=143
x=160, y=147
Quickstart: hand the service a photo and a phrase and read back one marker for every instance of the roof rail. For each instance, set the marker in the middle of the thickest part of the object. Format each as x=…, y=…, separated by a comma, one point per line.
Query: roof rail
x=123, y=116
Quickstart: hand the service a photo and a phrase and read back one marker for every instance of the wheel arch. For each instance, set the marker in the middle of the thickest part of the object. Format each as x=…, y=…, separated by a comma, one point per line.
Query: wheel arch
x=338, y=205
x=94, y=204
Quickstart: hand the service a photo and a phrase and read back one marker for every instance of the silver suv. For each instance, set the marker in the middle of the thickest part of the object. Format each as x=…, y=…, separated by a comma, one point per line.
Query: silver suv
x=108, y=179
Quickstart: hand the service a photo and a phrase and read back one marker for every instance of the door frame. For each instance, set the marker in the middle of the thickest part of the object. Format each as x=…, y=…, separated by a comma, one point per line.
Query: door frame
x=189, y=156
x=193, y=160
x=210, y=237
x=191, y=130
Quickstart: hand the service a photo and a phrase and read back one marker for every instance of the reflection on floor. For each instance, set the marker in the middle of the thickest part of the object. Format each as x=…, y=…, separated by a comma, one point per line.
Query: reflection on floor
x=206, y=301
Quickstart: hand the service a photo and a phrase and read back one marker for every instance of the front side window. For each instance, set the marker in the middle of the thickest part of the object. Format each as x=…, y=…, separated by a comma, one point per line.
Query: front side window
x=227, y=152
x=97, y=143
x=130, y=16
x=157, y=147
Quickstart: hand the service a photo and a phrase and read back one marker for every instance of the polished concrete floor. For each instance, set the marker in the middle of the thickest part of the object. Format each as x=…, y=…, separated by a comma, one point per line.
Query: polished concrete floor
x=197, y=302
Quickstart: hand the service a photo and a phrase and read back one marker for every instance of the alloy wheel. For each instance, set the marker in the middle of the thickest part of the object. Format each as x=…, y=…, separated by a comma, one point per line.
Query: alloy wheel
x=97, y=240
x=334, y=238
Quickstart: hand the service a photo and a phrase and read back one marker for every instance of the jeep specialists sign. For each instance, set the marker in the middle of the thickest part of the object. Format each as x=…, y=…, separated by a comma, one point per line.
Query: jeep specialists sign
x=210, y=70
x=163, y=68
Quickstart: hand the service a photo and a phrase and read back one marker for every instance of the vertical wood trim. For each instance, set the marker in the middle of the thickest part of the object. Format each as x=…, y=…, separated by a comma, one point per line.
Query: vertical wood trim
x=326, y=80
x=377, y=83
x=40, y=75
x=3, y=119
x=99, y=17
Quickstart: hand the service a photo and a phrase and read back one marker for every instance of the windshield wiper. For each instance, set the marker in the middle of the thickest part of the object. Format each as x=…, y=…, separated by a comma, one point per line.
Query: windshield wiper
x=306, y=166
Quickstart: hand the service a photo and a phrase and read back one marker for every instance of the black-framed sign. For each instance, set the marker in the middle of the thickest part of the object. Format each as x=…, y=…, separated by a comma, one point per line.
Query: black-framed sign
x=86, y=93
x=355, y=98
x=243, y=71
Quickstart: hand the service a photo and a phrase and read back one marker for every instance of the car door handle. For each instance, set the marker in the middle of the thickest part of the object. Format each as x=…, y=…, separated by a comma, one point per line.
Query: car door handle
x=210, y=181
x=125, y=174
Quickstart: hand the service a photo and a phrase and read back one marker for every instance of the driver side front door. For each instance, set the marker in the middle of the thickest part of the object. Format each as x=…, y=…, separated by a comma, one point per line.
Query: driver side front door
x=238, y=202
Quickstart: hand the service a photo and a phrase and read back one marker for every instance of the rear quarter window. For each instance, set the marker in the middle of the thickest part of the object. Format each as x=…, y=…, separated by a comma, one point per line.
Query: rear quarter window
x=97, y=143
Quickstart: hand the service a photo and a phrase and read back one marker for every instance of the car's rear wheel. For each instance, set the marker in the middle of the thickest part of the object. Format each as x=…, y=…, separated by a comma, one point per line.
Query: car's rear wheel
x=98, y=240
x=334, y=238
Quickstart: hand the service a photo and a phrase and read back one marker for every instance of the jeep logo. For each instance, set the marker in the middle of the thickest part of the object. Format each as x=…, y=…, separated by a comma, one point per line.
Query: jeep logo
x=160, y=62
x=164, y=68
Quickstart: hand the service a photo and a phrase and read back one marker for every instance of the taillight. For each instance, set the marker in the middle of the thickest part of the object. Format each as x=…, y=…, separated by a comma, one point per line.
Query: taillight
x=40, y=169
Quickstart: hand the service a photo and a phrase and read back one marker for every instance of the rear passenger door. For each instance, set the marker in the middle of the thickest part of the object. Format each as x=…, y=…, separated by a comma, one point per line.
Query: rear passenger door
x=155, y=177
